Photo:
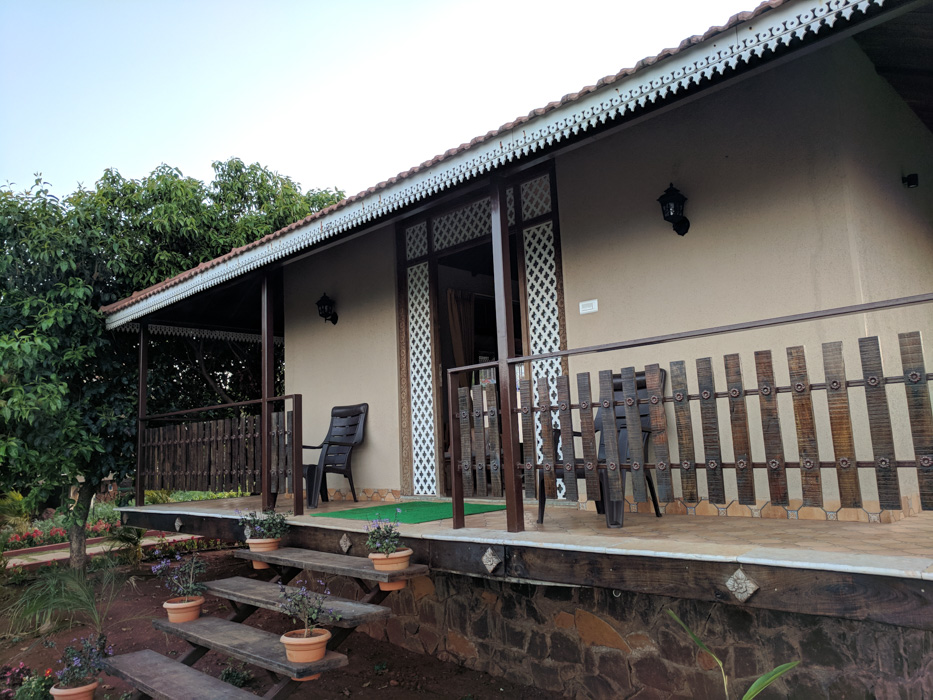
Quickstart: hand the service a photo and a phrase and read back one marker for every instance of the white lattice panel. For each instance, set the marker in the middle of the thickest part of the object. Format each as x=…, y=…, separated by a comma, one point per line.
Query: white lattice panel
x=421, y=376
x=543, y=314
x=463, y=224
x=416, y=241
x=510, y=205
x=536, y=197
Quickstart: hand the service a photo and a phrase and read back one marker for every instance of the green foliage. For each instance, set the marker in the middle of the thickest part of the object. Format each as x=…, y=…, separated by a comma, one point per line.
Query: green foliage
x=81, y=665
x=756, y=687
x=158, y=496
x=14, y=513
x=67, y=385
x=267, y=525
x=127, y=542
x=36, y=687
x=384, y=536
x=68, y=595
x=236, y=675
x=306, y=607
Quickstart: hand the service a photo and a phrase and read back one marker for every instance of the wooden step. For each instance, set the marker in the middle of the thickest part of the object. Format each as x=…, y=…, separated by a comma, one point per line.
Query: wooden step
x=267, y=595
x=166, y=679
x=324, y=562
x=254, y=646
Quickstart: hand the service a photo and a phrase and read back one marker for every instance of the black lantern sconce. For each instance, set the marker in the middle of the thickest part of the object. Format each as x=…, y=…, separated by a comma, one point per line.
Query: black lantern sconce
x=325, y=307
x=672, y=209
x=911, y=181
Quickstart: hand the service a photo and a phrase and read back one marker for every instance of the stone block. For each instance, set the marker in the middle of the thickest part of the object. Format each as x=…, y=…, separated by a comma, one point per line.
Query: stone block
x=491, y=599
x=546, y=676
x=460, y=646
x=640, y=643
x=430, y=640
x=675, y=647
x=537, y=645
x=564, y=620
x=565, y=648
x=421, y=587
x=613, y=665
x=653, y=672
x=514, y=636
x=594, y=631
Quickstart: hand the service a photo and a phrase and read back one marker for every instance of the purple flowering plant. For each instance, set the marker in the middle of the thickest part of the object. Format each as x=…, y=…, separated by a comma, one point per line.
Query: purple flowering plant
x=182, y=580
x=383, y=536
x=267, y=525
x=82, y=664
x=307, y=607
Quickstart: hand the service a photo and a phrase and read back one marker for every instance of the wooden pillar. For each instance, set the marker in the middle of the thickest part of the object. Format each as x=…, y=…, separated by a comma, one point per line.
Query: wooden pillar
x=456, y=477
x=297, y=457
x=141, y=411
x=268, y=381
x=505, y=348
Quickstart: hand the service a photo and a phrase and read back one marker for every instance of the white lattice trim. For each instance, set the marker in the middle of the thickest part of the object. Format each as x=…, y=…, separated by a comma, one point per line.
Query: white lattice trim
x=421, y=376
x=652, y=83
x=202, y=333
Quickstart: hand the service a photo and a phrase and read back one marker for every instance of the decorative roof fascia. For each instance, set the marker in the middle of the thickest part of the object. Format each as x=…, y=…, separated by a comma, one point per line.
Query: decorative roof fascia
x=652, y=83
x=183, y=331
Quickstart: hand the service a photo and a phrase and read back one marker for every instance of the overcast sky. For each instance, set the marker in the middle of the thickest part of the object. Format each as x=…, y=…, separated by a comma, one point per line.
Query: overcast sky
x=332, y=94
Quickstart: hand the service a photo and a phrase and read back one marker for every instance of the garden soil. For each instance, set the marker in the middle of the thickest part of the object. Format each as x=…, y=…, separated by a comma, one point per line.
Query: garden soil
x=376, y=669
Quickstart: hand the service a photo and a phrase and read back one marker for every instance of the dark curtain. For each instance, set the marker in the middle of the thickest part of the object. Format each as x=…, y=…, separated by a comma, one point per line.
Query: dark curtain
x=460, y=313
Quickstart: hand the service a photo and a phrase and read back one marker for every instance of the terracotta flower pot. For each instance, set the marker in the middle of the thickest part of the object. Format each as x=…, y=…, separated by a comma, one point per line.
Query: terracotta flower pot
x=180, y=610
x=84, y=692
x=301, y=649
x=396, y=561
x=262, y=545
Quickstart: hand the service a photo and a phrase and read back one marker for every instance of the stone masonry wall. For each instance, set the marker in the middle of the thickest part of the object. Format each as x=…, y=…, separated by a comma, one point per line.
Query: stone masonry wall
x=599, y=643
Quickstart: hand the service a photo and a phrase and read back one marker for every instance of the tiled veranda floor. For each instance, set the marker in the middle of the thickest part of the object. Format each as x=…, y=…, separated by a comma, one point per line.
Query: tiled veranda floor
x=901, y=549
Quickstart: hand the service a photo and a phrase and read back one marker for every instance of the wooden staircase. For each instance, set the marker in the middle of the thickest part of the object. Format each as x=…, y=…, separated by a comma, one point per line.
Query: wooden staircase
x=156, y=676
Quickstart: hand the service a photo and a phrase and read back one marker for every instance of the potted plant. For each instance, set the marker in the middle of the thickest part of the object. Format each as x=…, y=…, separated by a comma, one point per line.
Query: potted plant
x=383, y=543
x=81, y=665
x=182, y=580
x=263, y=532
x=307, y=608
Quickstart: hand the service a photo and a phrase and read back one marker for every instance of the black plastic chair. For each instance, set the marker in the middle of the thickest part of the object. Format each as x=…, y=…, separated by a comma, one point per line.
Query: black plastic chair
x=615, y=510
x=346, y=431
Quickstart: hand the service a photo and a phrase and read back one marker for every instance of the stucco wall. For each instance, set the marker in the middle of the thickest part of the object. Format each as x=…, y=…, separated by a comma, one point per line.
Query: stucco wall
x=796, y=204
x=354, y=361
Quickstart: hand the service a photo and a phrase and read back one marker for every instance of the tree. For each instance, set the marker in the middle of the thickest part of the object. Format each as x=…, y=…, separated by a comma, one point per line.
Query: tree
x=67, y=395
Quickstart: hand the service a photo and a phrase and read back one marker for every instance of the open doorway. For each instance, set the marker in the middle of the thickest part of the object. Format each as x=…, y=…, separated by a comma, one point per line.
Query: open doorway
x=467, y=318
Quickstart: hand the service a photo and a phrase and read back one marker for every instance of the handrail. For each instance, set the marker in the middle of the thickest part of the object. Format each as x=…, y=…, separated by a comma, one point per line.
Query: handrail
x=509, y=412
x=706, y=332
x=204, y=409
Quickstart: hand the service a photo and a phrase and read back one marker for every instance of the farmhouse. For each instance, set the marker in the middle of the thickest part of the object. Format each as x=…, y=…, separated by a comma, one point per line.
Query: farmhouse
x=511, y=308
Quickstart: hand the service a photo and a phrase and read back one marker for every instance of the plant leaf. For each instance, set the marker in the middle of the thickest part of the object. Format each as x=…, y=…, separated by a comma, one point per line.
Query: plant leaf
x=768, y=679
x=697, y=640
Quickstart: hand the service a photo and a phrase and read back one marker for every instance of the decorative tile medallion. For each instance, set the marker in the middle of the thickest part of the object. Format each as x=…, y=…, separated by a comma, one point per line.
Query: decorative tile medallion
x=345, y=543
x=741, y=586
x=491, y=560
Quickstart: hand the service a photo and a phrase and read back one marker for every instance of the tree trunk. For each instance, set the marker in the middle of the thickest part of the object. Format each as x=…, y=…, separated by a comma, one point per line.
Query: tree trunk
x=77, y=535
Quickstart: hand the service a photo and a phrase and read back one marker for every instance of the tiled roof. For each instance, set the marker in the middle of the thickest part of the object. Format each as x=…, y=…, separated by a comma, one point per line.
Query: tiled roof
x=428, y=164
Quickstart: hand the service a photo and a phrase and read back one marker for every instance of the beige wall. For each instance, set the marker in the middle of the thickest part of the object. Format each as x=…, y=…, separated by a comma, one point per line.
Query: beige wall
x=355, y=361
x=796, y=204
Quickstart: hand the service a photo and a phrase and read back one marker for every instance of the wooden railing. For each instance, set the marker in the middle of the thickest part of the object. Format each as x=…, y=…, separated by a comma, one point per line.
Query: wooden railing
x=222, y=454
x=475, y=438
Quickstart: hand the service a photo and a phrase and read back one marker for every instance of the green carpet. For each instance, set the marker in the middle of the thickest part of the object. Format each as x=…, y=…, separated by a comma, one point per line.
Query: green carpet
x=411, y=512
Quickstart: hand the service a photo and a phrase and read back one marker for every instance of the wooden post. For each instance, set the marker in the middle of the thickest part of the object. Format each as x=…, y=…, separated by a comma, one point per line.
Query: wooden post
x=141, y=411
x=267, y=389
x=297, y=457
x=456, y=454
x=505, y=346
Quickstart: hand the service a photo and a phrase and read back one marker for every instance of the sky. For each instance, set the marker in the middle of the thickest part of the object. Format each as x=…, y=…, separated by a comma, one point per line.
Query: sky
x=333, y=94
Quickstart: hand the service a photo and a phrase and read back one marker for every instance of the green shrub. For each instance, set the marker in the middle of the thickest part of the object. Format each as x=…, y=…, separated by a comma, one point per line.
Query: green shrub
x=236, y=675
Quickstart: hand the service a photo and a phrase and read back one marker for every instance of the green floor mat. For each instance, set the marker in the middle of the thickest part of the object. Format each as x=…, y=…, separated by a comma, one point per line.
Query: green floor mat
x=411, y=512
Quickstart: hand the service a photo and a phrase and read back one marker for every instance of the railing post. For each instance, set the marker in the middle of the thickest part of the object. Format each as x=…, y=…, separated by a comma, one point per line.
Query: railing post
x=268, y=379
x=505, y=344
x=297, y=468
x=456, y=478
x=141, y=411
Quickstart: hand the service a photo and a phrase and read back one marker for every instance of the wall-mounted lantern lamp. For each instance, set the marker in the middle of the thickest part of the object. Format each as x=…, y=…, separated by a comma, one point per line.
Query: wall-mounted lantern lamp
x=911, y=181
x=672, y=209
x=325, y=307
